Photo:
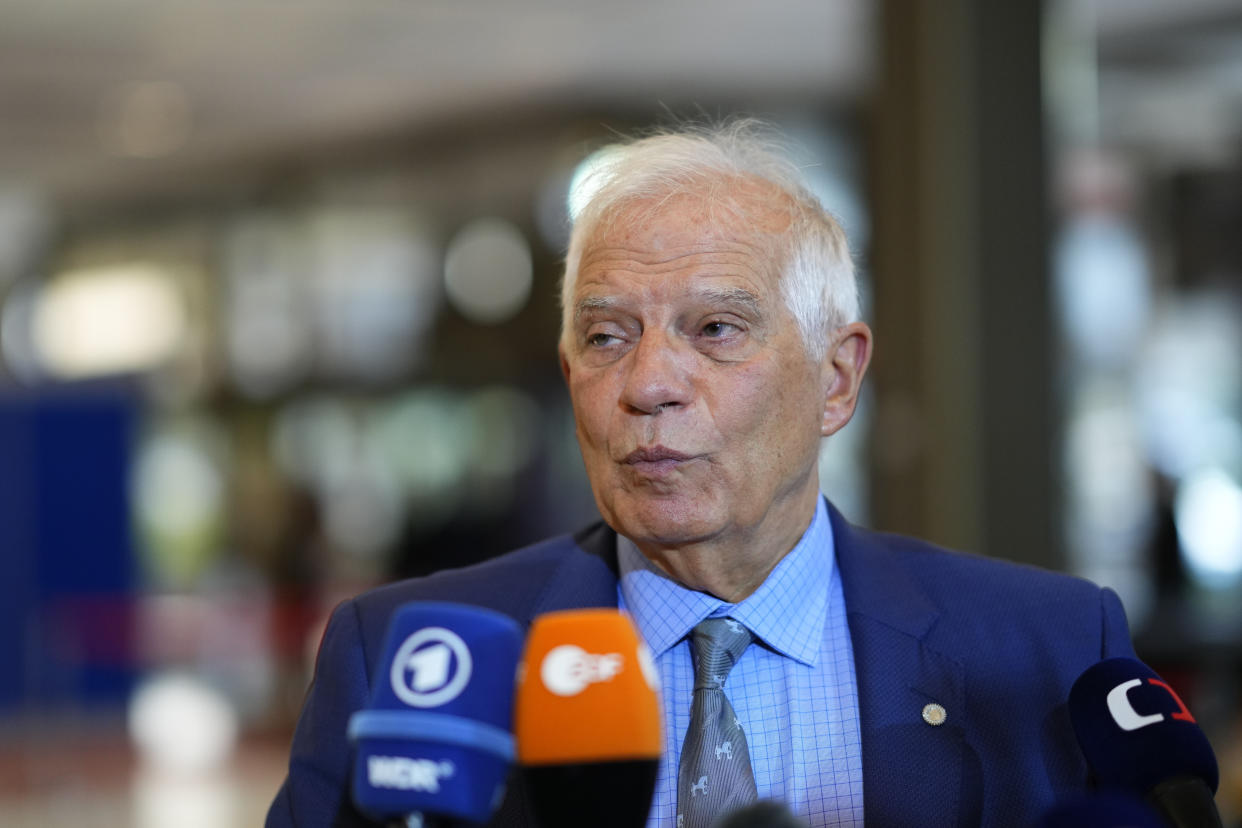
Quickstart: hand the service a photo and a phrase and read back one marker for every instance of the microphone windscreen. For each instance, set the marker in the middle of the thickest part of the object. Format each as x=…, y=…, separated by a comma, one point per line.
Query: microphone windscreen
x=587, y=691
x=1134, y=730
x=436, y=737
x=588, y=721
x=1103, y=809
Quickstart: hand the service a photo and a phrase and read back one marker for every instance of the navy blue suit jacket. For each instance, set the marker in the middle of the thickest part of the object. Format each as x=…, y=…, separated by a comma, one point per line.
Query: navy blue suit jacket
x=996, y=644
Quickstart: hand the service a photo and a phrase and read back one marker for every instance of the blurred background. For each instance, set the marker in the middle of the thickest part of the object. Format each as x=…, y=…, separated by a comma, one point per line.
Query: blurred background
x=278, y=323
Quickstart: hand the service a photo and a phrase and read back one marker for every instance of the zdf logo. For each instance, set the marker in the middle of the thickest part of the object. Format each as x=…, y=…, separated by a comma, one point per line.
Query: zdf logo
x=568, y=669
x=1127, y=718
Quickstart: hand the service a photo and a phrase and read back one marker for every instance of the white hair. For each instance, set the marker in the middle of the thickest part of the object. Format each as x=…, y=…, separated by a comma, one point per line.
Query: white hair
x=812, y=255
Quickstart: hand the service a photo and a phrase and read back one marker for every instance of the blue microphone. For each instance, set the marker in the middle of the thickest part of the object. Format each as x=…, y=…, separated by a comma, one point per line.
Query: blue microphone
x=1138, y=736
x=436, y=739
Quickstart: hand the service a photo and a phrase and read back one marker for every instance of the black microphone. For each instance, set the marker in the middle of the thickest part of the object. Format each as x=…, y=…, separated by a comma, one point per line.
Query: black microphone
x=1138, y=736
x=1103, y=809
x=766, y=813
x=435, y=743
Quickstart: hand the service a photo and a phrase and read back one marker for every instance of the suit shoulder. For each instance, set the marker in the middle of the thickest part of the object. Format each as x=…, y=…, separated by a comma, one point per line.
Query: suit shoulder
x=982, y=603
x=949, y=571
x=567, y=571
x=493, y=583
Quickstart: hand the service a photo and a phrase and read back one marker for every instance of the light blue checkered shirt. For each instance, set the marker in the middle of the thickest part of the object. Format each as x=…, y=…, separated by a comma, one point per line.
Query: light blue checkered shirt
x=795, y=693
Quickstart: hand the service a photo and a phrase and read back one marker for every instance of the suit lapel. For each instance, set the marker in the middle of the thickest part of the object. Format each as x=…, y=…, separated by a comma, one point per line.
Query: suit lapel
x=912, y=770
x=588, y=575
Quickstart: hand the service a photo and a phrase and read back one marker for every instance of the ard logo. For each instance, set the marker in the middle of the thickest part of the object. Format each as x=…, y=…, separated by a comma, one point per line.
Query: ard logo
x=431, y=668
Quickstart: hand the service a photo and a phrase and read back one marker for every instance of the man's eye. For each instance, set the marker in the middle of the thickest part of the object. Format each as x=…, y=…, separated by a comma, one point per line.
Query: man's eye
x=718, y=329
x=600, y=340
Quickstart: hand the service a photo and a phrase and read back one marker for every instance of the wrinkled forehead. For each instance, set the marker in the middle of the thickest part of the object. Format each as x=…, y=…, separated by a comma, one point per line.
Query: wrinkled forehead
x=725, y=208
x=749, y=224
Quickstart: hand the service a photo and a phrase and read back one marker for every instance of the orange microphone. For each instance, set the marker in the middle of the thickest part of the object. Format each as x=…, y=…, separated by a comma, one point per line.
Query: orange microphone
x=588, y=720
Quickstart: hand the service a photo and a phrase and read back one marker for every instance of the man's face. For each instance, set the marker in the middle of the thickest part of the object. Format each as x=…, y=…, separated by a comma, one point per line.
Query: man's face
x=698, y=410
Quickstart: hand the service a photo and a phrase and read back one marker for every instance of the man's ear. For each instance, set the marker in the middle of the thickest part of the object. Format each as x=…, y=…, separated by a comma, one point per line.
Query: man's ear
x=845, y=363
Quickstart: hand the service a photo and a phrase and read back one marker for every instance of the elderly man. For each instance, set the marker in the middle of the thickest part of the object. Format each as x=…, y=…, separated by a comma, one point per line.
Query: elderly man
x=710, y=338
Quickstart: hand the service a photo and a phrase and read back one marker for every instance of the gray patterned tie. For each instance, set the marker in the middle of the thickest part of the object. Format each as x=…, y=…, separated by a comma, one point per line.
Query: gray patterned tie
x=714, y=775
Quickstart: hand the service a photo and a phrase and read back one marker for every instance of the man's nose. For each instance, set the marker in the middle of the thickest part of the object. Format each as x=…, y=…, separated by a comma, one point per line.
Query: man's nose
x=658, y=376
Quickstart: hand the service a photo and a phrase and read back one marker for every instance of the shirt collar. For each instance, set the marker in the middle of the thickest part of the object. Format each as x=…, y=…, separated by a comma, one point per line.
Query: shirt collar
x=787, y=612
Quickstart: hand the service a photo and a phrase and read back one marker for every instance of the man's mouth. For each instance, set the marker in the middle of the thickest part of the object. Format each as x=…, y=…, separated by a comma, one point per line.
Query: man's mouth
x=655, y=454
x=655, y=459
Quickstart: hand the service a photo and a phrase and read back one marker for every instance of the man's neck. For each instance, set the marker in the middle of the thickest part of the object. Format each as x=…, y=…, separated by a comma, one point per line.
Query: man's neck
x=733, y=567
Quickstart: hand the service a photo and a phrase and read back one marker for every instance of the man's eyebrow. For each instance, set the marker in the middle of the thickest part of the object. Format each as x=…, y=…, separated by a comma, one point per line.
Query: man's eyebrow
x=736, y=296
x=732, y=296
x=591, y=303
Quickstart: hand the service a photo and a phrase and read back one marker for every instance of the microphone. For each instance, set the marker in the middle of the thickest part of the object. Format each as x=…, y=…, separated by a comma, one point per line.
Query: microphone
x=1103, y=809
x=588, y=721
x=1138, y=736
x=766, y=813
x=436, y=739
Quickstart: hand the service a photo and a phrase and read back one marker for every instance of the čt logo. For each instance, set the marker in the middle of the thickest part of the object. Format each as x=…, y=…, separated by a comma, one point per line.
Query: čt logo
x=1127, y=718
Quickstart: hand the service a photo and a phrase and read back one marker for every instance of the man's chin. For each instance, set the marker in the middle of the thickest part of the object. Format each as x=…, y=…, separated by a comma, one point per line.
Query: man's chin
x=666, y=527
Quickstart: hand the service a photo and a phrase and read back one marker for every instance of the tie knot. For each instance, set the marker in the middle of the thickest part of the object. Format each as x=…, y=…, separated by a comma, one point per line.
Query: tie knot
x=718, y=643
